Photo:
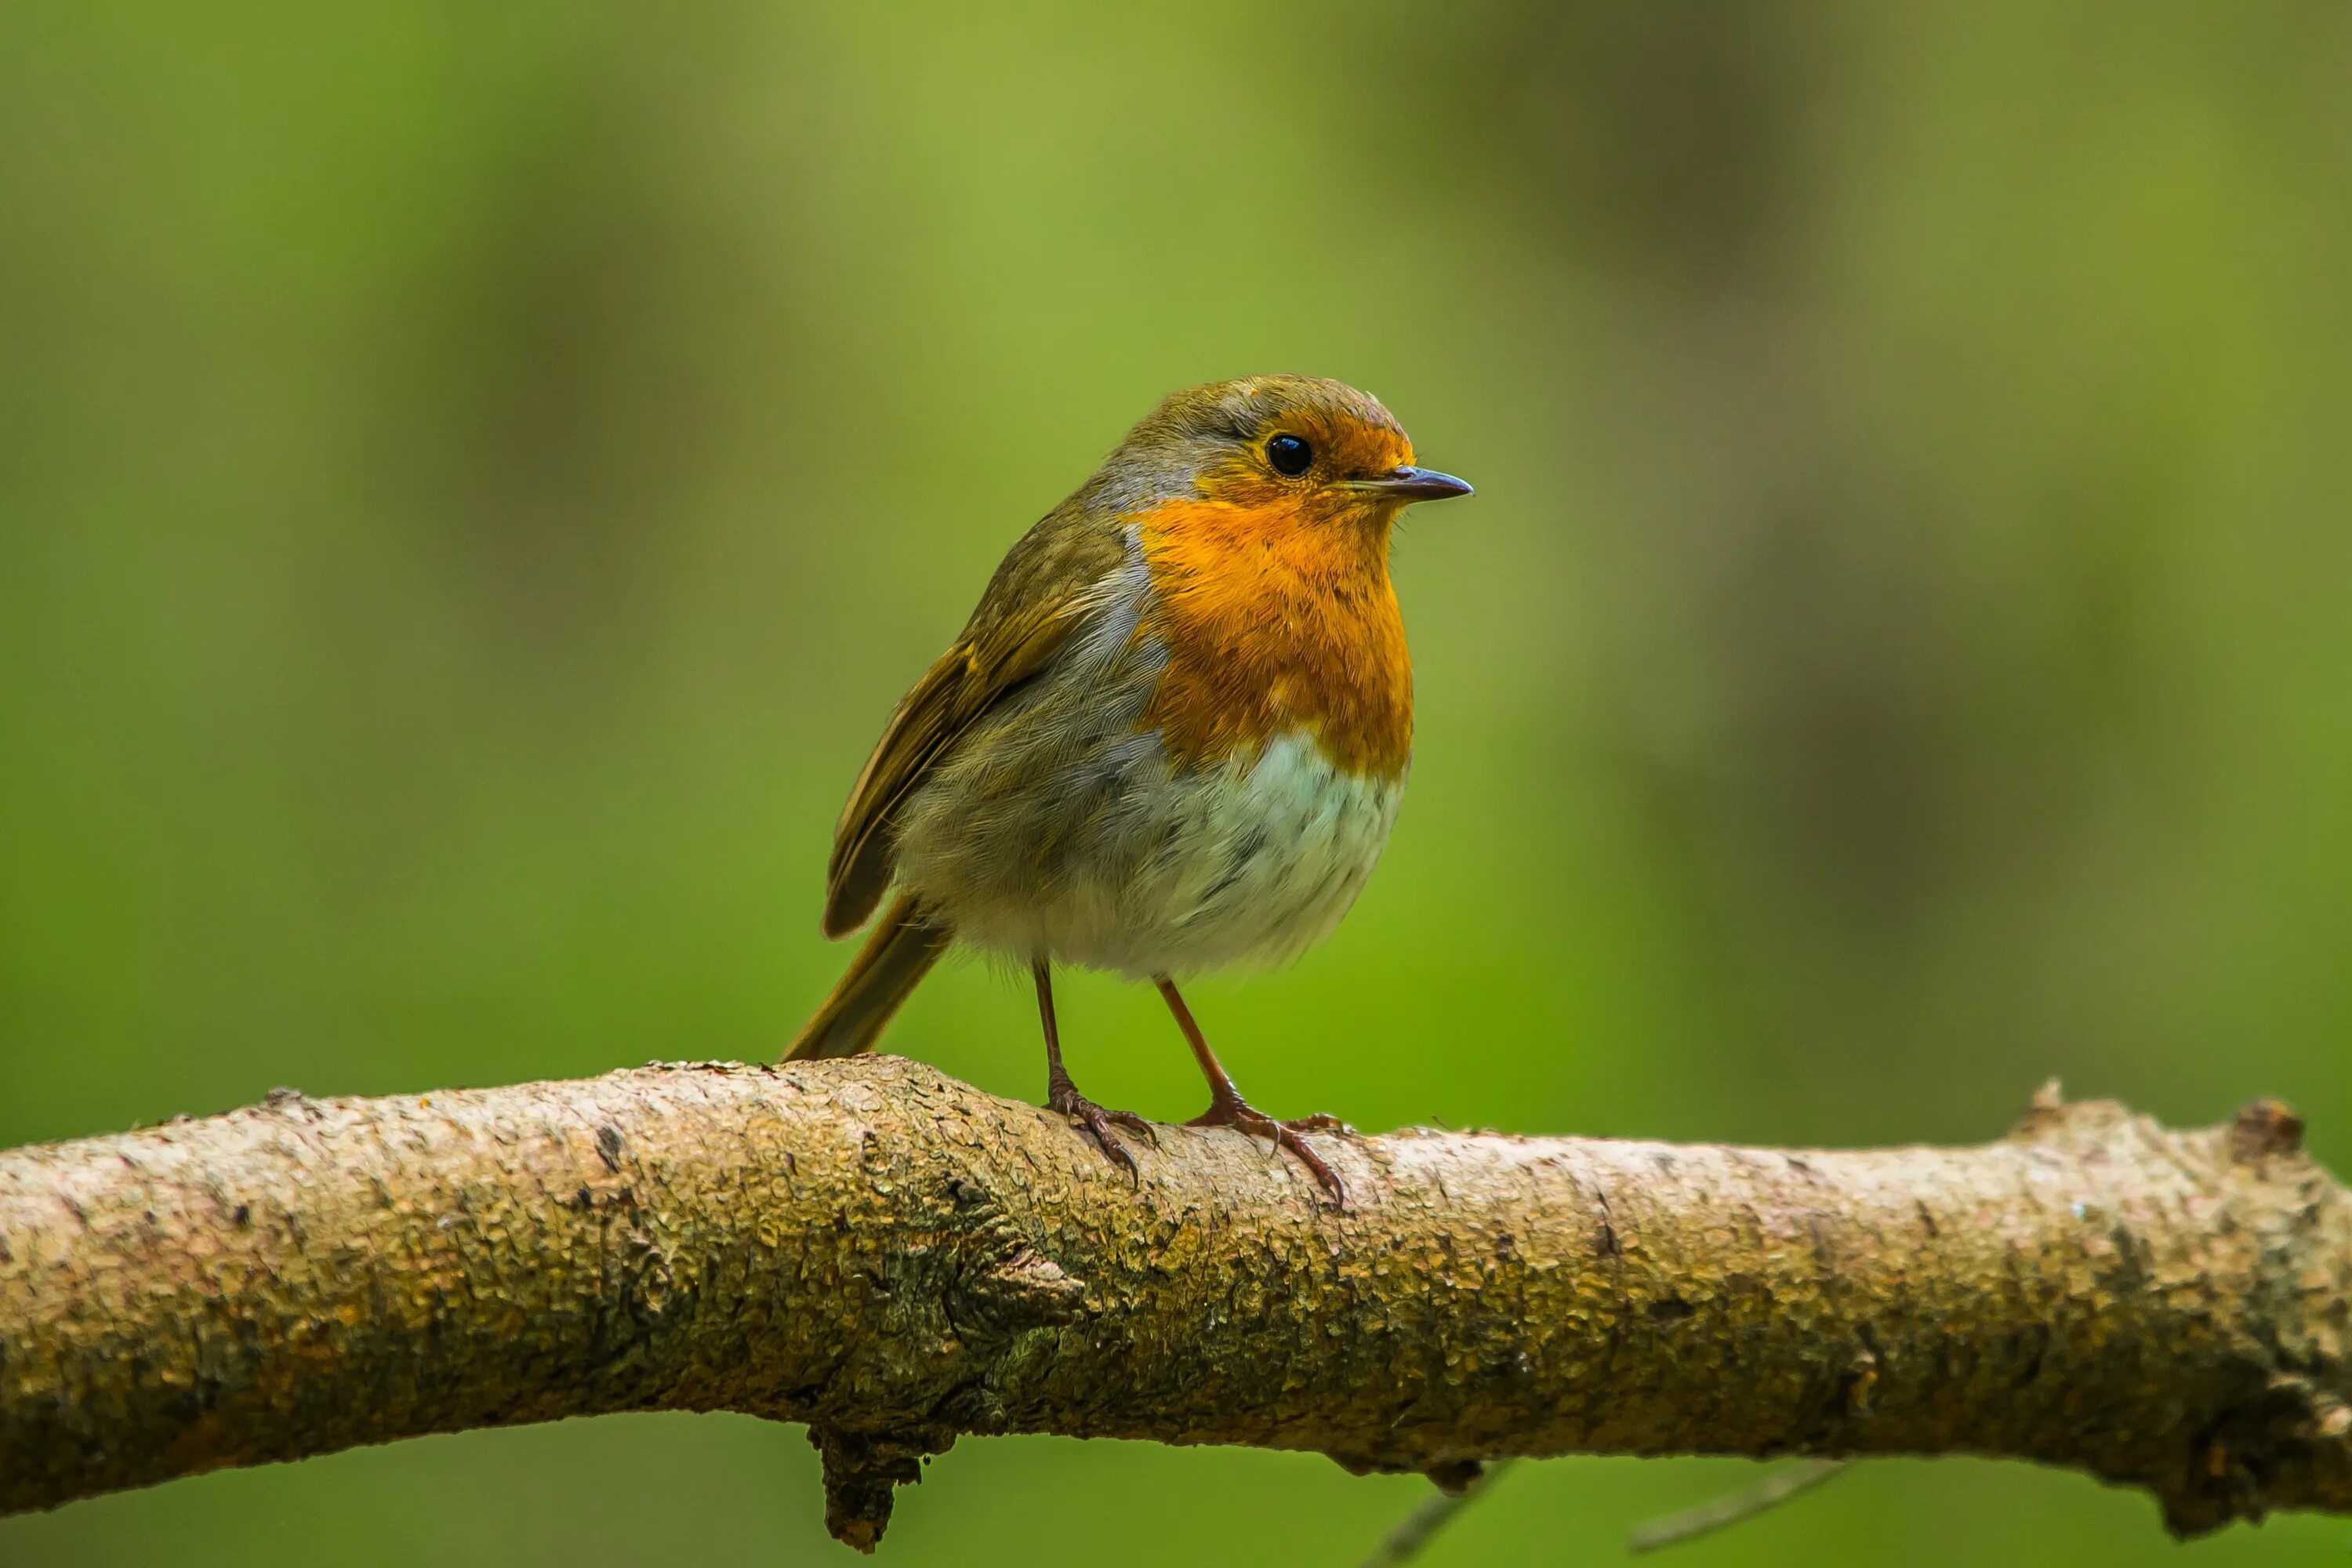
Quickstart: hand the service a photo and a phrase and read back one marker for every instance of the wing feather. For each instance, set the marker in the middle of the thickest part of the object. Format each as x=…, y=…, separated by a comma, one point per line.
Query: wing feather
x=968, y=680
x=1040, y=597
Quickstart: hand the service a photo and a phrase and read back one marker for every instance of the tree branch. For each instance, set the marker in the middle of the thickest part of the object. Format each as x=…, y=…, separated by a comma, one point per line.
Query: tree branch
x=895, y=1258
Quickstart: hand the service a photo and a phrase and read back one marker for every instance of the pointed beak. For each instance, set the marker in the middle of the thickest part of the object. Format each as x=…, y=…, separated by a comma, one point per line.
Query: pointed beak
x=1411, y=484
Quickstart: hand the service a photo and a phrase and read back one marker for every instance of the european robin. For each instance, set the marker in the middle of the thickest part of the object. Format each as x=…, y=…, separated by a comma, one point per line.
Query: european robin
x=1172, y=739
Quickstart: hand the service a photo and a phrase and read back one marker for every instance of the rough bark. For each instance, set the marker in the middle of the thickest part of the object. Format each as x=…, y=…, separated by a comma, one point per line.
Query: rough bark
x=895, y=1258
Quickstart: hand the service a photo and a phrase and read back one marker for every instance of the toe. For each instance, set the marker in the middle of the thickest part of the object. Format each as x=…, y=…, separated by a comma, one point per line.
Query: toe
x=1325, y=1176
x=1096, y=1124
x=1097, y=1130
x=1134, y=1123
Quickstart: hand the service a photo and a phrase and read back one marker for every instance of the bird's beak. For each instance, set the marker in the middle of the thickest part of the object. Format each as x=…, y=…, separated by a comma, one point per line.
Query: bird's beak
x=1411, y=485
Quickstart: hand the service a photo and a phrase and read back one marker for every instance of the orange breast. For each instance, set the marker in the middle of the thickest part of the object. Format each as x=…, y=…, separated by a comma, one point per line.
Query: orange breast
x=1273, y=624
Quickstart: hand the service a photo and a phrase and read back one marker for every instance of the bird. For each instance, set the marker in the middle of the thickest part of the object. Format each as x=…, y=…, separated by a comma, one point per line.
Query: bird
x=1172, y=739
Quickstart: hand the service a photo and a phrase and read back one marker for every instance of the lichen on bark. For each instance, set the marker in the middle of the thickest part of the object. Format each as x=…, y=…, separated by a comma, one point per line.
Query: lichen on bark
x=895, y=1258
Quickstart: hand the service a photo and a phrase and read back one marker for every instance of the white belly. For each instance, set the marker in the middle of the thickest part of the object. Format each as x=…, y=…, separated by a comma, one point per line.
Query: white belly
x=1248, y=864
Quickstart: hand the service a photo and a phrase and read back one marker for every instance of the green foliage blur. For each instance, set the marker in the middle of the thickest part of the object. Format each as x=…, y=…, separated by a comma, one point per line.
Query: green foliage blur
x=472, y=480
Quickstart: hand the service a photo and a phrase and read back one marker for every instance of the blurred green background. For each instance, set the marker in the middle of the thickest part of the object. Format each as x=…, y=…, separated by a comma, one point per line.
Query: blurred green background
x=474, y=480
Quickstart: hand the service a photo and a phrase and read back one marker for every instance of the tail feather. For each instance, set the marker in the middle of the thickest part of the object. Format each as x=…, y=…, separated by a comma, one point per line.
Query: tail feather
x=904, y=946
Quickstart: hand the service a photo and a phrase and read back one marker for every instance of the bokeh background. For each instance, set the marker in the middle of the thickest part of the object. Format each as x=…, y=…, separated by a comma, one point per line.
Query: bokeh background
x=474, y=480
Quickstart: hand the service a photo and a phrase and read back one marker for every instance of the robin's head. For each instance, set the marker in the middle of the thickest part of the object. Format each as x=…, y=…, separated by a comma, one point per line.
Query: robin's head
x=1295, y=449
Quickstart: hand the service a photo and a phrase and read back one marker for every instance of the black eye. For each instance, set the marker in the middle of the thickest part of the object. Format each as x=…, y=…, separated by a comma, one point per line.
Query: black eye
x=1290, y=454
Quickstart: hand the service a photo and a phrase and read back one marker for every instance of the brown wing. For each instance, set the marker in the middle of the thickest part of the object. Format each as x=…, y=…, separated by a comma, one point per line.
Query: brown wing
x=1037, y=598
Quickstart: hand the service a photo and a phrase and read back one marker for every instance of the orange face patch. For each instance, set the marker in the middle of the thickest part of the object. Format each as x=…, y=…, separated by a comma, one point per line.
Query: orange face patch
x=1345, y=447
x=1274, y=603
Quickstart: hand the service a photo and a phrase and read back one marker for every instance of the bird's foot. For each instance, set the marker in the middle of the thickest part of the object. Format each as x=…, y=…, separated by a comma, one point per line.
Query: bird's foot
x=1231, y=1110
x=1096, y=1123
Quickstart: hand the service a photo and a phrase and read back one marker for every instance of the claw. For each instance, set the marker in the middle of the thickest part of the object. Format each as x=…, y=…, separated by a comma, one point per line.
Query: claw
x=1096, y=1123
x=1235, y=1112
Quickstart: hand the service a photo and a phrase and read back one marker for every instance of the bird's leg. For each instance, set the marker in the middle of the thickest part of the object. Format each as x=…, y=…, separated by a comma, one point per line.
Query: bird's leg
x=1061, y=1095
x=1228, y=1109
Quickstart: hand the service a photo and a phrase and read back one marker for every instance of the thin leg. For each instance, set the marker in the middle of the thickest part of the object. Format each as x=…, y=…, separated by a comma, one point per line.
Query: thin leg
x=1062, y=1095
x=1223, y=1094
x=1228, y=1109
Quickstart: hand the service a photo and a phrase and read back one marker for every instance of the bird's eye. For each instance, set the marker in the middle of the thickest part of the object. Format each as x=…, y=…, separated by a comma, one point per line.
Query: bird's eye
x=1290, y=454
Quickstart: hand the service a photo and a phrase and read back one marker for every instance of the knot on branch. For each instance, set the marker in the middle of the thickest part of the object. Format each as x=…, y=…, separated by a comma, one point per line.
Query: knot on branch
x=1004, y=1284
x=2291, y=1430
x=2262, y=1128
x=1451, y=1476
x=1025, y=1291
x=2051, y=1117
x=1454, y=1477
x=863, y=1471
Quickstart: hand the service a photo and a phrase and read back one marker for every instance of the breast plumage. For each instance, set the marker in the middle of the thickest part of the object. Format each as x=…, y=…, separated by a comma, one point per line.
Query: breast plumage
x=1174, y=796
